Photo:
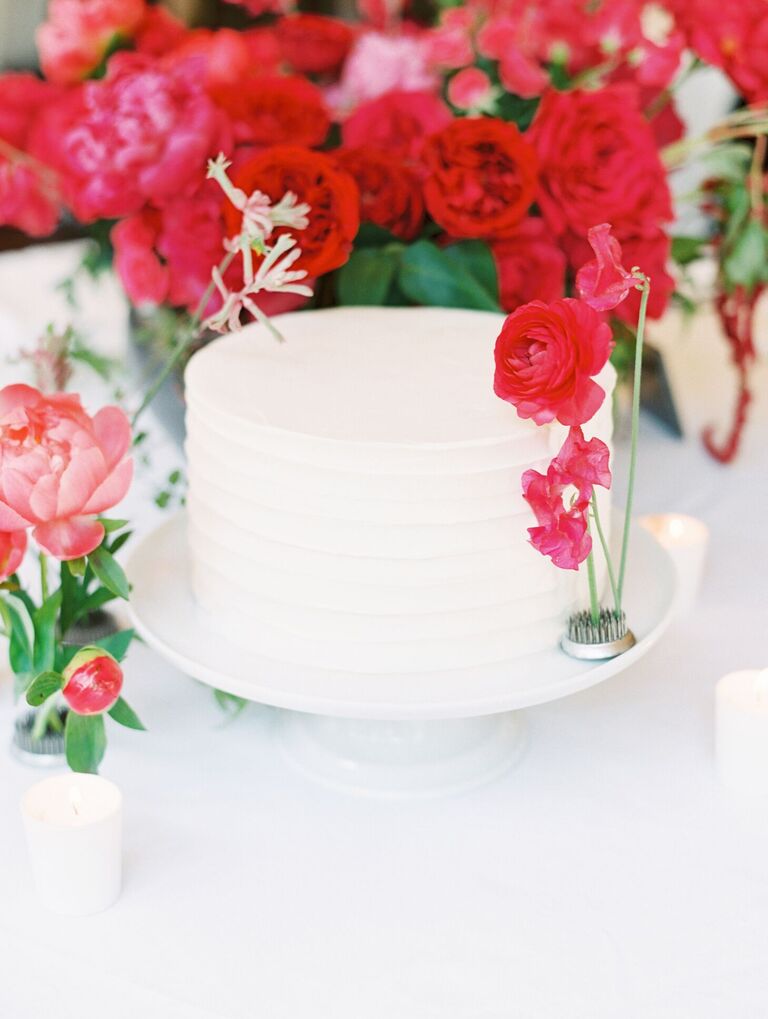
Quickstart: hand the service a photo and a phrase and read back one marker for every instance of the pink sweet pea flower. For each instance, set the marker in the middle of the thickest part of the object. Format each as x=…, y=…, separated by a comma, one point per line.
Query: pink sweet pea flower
x=562, y=532
x=604, y=282
x=59, y=468
x=13, y=545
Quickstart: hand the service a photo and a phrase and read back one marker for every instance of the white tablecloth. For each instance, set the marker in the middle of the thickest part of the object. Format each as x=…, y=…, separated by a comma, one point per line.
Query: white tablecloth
x=604, y=878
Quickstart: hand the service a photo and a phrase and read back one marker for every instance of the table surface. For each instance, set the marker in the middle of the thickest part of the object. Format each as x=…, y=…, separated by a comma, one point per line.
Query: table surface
x=606, y=876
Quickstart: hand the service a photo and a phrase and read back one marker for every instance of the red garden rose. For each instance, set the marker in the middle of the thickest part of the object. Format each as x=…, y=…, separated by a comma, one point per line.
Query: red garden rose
x=398, y=122
x=530, y=265
x=275, y=110
x=312, y=43
x=481, y=177
x=390, y=193
x=598, y=162
x=316, y=179
x=546, y=356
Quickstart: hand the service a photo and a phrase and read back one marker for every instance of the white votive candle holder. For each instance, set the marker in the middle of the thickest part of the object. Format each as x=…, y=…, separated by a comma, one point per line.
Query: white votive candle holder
x=686, y=539
x=73, y=825
x=741, y=732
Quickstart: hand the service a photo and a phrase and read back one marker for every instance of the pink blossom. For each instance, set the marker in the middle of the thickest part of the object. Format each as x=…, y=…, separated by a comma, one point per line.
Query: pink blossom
x=13, y=545
x=378, y=64
x=77, y=34
x=59, y=468
x=142, y=134
x=519, y=70
x=604, y=282
x=471, y=89
x=450, y=44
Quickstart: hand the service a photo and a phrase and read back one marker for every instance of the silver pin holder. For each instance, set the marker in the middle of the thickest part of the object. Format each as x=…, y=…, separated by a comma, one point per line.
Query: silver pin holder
x=592, y=641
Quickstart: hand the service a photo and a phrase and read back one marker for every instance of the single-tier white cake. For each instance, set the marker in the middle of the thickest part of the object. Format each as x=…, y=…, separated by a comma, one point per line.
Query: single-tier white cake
x=354, y=494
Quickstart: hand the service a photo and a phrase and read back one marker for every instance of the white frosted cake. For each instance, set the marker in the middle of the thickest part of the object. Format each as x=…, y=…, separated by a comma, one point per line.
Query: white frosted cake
x=354, y=494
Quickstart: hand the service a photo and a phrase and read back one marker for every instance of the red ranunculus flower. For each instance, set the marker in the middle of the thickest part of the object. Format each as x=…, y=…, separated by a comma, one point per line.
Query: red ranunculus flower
x=481, y=177
x=398, y=122
x=562, y=531
x=316, y=179
x=390, y=192
x=275, y=111
x=530, y=265
x=546, y=357
x=141, y=134
x=598, y=162
x=312, y=43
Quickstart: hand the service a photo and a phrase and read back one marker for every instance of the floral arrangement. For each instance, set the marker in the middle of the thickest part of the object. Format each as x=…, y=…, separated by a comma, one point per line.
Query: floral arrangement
x=60, y=471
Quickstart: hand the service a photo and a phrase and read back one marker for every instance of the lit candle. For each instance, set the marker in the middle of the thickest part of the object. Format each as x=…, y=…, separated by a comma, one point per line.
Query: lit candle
x=686, y=540
x=74, y=833
x=741, y=731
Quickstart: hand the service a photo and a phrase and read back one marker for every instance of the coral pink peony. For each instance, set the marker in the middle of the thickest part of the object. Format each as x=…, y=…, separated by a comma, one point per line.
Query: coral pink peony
x=13, y=545
x=562, y=532
x=546, y=357
x=604, y=282
x=59, y=468
x=142, y=134
x=398, y=122
x=530, y=265
x=92, y=681
x=78, y=34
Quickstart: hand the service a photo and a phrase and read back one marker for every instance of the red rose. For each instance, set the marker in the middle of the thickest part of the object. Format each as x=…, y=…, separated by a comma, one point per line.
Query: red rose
x=312, y=43
x=398, y=122
x=275, y=111
x=316, y=179
x=390, y=193
x=530, y=265
x=546, y=357
x=598, y=163
x=481, y=177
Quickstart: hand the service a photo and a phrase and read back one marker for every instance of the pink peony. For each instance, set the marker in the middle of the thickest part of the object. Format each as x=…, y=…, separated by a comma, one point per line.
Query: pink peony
x=142, y=134
x=562, y=531
x=59, y=468
x=78, y=34
x=530, y=265
x=604, y=282
x=471, y=89
x=13, y=545
x=92, y=681
x=379, y=64
x=546, y=357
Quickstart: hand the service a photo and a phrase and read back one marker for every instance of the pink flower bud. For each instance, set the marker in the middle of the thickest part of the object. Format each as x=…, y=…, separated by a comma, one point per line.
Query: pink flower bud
x=92, y=681
x=470, y=89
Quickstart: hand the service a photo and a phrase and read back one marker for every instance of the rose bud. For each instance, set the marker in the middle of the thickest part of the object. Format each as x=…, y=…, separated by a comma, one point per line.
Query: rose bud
x=92, y=681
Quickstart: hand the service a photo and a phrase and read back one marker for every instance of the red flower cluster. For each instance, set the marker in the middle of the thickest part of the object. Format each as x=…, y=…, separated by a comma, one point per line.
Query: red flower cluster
x=390, y=191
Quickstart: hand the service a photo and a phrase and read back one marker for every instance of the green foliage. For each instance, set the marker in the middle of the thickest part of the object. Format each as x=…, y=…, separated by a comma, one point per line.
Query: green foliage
x=85, y=742
x=368, y=276
x=460, y=276
x=44, y=623
x=18, y=626
x=229, y=703
x=745, y=260
x=116, y=644
x=123, y=714
x=109, y=572
x=687, y=249
x=42, y=686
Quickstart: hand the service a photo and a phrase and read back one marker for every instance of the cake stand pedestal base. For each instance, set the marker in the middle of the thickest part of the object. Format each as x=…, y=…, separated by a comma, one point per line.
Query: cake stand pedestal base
x=402, y=758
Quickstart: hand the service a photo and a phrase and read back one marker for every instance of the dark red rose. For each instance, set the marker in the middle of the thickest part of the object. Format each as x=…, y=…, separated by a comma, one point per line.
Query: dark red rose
x=275, y=111
x=598, y=163
x=546, y=357
x=398, y=122
x=390, y=193
x=312, y=43
x=481, y=177
x=316, y=179
x=530, y=265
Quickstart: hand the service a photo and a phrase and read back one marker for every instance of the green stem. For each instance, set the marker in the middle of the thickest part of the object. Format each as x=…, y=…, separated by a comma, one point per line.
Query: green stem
x=594, y=601
x=44, y=576
x=606, y=553
x=646, y=289
x=184, y=342
x=44, y=718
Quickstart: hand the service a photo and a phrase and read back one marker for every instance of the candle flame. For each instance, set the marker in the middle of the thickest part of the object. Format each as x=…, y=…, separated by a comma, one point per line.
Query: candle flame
x=75, y=800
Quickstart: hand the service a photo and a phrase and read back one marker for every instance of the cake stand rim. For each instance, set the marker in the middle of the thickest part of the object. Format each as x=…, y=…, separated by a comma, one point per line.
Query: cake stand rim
x=202, y=665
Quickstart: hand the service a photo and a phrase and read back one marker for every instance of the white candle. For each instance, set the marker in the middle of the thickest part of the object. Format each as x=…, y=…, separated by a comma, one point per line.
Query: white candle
x=741, y=731
x=73, y=825
x=686, y=539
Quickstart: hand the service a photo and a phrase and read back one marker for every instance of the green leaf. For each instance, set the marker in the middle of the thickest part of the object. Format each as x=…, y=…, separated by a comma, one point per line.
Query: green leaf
x=125, y=715
x=687, y=249
x=119, y=541
x=77, y=567
x=19, y=625
x=368, y=275
x=370, y=235
x=85, y=742
x=44, y=622
x=729, y=161
x=116, y=644
x=112, y=525
x=475, y=258
x=42, y=686
x=429, y=275
x=100, y=597
x=745, y=263
x=109, y=572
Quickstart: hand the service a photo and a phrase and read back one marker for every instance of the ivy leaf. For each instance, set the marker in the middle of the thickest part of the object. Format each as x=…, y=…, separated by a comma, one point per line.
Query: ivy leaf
x=430, y=276
x=44, y=622
x=109, y=572
x=85, y=742
x=123, y=714
x=368, y=275
x=42, y=686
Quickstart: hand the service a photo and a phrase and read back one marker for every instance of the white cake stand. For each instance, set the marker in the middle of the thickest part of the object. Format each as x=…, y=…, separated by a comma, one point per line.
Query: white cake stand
x=387, y=734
